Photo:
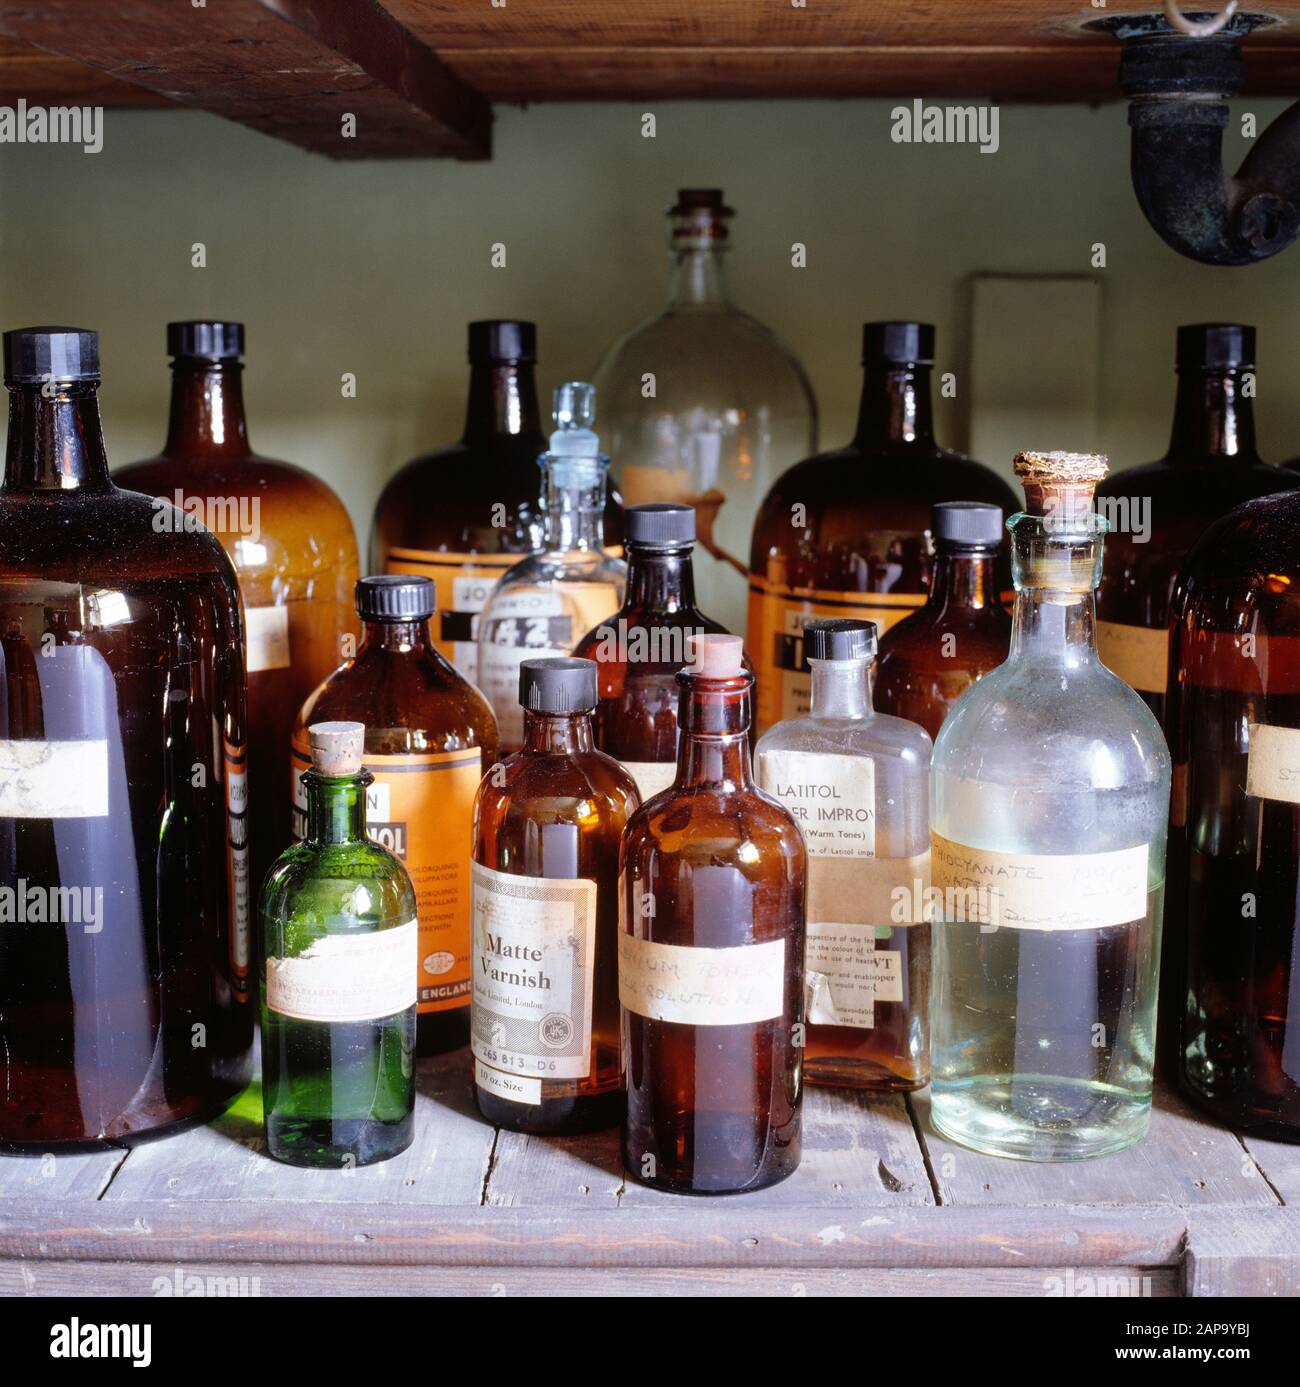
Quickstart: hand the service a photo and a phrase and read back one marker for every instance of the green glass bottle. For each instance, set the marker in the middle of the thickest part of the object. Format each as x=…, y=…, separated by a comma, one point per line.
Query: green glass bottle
x=340, y=944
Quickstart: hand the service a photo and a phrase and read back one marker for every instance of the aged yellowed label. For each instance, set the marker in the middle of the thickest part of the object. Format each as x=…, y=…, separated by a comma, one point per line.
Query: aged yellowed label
x=651, y=776
x=845, y=975
x=702, y=987
x=514, y=1088
x=347, y=977
x=1138, y=654
x=1044, y=891
x=869, y=891
x=266, y=638
x=832, y=798
x=1273, y=763
x=54, y=780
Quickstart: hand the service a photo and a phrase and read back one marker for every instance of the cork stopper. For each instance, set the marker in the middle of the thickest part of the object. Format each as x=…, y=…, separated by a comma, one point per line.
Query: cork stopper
x=1060, y=484
x=336, y=747
x=718, y=657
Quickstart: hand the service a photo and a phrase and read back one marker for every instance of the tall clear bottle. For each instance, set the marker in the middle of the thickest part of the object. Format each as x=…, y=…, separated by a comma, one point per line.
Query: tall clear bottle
x=729, y=410
x=548, y=601
x=1049, y=811
x=858, y=785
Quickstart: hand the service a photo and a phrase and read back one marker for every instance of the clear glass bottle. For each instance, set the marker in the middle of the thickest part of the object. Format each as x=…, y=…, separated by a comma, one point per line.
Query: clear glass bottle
x=932, y=657
x=122, y=784
x=430, y=739
x=729, y=409
x=858, y=784
x=641, y=648
x=548, y=601
x=289, y=538
x=544, y=1025
x=710, y=955
x=340, y=943
x=1049, y=811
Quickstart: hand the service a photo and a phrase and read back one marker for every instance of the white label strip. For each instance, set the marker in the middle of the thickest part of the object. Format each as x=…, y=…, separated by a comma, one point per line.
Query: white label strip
x=54, y=780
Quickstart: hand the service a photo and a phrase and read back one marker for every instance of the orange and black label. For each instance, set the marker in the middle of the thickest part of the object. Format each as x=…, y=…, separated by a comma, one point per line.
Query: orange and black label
x=421, y=808
x=237, y=868
x=774, y=637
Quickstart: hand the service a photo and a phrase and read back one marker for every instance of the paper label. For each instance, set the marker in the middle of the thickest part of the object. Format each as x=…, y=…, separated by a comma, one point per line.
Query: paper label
x=464, y=582
x=54, y=780
x=846, y=975
x=1138, y=654
x=533, y=953
x=702, y=987
x=1044, y=891
x=651, y=776
x=514, y=1088
x=1273, y=763
x=832, y=798
x=774, y=637
x=347, y=977
x=266, y=638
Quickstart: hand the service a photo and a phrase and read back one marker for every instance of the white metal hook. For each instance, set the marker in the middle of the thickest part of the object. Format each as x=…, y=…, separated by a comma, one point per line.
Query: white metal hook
x=1206, y=27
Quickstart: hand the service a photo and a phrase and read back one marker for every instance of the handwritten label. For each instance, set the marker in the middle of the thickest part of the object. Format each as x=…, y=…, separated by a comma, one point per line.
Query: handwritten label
x=1138, y=654
x=266, y=638
x=1273, y=763
x=702, y=987
x=651, y=776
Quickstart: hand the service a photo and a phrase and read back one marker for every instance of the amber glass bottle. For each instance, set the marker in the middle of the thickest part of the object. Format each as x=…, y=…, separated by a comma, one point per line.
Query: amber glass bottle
x=290, y=540
x=711, y=956
x=1233, y=1003
x=546, y=834
x=932, y=657
x=430, y=737
x=441, y=515
x=845, y=534
x=122, y=784
x=1158, y=511
x=641, y=648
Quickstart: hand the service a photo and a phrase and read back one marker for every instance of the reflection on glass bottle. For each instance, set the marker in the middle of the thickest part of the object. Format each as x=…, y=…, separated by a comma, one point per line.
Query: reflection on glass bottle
x=1049, y=804
x=704, y=404
x=547, y=602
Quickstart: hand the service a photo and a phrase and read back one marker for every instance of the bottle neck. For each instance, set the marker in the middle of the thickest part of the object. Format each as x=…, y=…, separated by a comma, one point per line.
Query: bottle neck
x=1056, y=572
x=660, y=580
x=207, y=411
x=56, y=441
x=962, y=578
x=1214, y=420
x=575, y=508
x=713, y=719
x=895, y=408
x=502, y=401
x=336, y=807
x=841, y=689
x=399, y=637
x=698, y=277
x=562, y=734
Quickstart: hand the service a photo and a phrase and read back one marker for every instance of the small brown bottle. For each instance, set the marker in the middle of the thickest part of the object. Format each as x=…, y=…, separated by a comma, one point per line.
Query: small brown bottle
x=931, y=658
x=546, y=833
x=430, y=736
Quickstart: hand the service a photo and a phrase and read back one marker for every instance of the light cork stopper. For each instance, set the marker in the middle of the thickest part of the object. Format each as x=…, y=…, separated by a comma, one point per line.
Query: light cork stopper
x=718, y=657
x=336, y=747
x=1060, y=484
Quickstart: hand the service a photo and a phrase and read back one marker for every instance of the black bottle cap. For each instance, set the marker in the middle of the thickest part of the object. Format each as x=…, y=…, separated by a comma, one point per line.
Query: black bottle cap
x=558, y=686
x=501, y=340
x=396, y=597
x=205, y=337
x=844, y=638
x=660, y=524
x=35, y=354
x=898, y=344
x=1214, y=346
x=974, y=524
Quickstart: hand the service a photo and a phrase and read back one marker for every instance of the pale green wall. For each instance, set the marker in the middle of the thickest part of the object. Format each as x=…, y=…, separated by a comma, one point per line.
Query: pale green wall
x=376, y=267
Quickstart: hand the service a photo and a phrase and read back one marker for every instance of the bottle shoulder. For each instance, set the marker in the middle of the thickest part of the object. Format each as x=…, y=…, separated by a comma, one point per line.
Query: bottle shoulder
x=338, y=887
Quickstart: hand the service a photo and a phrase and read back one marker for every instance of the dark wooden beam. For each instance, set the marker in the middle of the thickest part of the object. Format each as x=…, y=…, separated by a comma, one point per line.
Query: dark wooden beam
x=295, y=69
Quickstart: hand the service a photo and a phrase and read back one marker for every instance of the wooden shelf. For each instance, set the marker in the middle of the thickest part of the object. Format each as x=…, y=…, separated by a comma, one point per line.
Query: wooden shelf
x=420, y=75
x=880, y=1204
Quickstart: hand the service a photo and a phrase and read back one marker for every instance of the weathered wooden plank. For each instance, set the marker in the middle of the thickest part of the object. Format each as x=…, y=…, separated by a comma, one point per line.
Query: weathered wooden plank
x=1182, y=1161
x=1280, y=1163
x=45, y=79
x=266, y=1279
x=556, y=1172
x=30, y=1179
x=446, y=1164
x=713, y=1233
x=1229, y=1255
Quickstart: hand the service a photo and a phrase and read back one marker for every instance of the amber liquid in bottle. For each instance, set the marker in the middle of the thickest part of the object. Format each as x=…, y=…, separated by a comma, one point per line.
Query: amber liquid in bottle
x=121, y=657
x=430, y=737
x=1230, y=1022
x=440, y=515
x=292, y=545
x=546, y=834
x=932, y=657
x=712, y=885
x=862, y=547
